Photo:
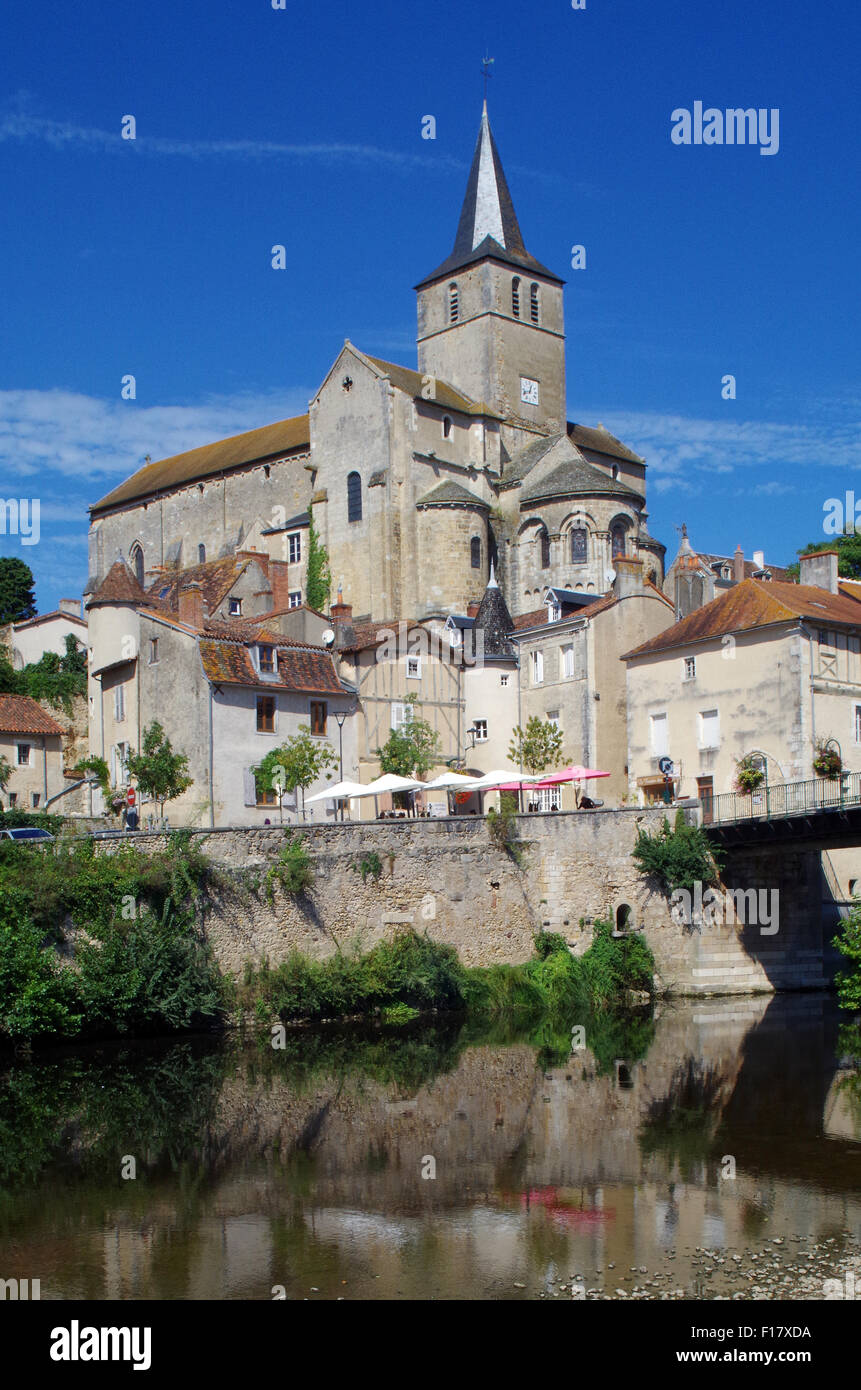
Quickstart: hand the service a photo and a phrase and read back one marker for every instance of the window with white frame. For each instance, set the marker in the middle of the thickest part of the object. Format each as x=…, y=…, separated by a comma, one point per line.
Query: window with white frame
x=414, y=668
x=537, y=668
x=858, y=723
x=480, y=726
x=503, y=680
x=24, y=752
x=566, y=662
x=295, y=599
x=689, y=672
x=401, y=714
x=119, y=702
x=709, y=728
x=542, y=798
x=554, y=612
x=659, y=735
x=234, y=607
x=294, y=548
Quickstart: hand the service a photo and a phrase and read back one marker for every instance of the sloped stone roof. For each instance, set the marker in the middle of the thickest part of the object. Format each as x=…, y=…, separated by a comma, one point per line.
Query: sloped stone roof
x=576, y=477
x=119, y=585
x=601, y=441
x=495, y=621
x=450, y=494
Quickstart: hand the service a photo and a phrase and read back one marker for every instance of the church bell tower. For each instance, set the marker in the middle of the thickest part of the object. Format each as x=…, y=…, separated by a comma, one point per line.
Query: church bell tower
x=490, y=318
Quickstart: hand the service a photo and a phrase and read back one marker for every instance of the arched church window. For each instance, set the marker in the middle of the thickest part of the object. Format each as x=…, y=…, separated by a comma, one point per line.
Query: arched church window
x=617, y=542
x=138, y=563
x=534, y=304
x=453, y=303
x=515, y=296
x=579, y=553
x=354, y=497
x=201, y=554
x=544, y=541
x=446, y=426
x=475, y=552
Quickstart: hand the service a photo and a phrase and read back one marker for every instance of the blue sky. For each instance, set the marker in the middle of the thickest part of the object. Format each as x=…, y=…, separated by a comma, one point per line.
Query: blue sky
x=302, y=126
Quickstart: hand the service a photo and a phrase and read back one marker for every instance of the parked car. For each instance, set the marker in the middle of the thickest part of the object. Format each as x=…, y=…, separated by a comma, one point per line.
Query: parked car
x=26, y=832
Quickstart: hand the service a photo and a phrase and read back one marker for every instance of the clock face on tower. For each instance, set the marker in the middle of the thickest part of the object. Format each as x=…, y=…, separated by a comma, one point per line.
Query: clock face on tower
x=528, y=391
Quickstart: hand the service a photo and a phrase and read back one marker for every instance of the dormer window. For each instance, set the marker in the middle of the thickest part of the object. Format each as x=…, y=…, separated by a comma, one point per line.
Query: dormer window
x=534, y=304
x=515, y=296
x=266, y=659
x=453, y=303
x=554, y=612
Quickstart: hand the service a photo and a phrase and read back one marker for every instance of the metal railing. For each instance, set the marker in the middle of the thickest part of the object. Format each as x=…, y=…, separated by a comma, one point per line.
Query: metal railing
x=784, y=799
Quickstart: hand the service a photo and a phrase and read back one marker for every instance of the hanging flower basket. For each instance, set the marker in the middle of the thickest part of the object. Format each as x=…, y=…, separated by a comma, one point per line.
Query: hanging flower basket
x=828, y=763
x=749, y=776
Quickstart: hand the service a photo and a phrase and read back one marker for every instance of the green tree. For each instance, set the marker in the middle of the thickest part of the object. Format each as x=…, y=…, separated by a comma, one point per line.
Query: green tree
x=538, y=747
x=158, y=771
x=17, y=600
x=848, y=548
x=412, y=750
x=299, y=762
x=849, y=944
x=5, y=772
x=318, y=580
x=11, y=682
x=57, y=679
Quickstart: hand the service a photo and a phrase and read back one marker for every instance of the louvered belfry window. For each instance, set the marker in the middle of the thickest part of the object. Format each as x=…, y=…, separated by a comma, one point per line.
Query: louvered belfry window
x=515, y=296
x=453, y=304
x=534, y=305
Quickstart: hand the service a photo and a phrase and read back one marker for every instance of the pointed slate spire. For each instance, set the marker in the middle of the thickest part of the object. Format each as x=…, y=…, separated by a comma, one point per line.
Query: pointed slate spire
x=488, y=225
x=494, y=619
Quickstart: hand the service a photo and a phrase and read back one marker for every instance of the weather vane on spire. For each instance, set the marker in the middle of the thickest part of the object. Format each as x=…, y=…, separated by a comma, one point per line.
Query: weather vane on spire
x=485, y=68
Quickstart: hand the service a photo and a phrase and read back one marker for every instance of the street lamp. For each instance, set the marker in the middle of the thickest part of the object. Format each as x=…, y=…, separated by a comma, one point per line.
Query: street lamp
x=340, y=717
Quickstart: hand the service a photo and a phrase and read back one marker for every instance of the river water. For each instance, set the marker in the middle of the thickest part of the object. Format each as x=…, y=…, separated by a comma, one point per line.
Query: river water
x=710, y=1149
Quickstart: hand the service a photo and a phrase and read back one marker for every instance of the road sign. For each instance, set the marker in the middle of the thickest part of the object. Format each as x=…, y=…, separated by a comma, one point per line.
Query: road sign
x=666, y=766
x=130, y=796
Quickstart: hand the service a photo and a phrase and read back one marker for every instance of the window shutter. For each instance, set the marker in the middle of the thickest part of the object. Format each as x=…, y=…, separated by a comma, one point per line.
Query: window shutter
x=249, y=787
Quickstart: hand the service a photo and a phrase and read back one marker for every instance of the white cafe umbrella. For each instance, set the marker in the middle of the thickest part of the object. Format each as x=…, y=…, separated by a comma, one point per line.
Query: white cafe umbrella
x=502, y=779
x=390, y=782
x=450, y=781
x=338, y=791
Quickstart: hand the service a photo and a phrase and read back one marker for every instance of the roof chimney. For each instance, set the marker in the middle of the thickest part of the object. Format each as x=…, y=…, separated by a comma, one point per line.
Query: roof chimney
x=191, y=605
x=341, y=615
x=629, y=577
x=820, y=570
x=738, y=565
x=759, y=559
x=72, y=606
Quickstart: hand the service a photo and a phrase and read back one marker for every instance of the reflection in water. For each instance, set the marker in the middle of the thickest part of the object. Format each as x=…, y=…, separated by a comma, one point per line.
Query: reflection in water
x=309, y=1168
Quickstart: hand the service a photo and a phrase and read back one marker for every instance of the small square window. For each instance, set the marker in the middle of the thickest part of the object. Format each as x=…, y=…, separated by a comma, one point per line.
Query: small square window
x=480, y=726
x=234, y=607
x=267, y=659
x=267, y=798
x=319, y=711
x=414, y=668
x=265, y=714
x=295, y=599
x=503, y=680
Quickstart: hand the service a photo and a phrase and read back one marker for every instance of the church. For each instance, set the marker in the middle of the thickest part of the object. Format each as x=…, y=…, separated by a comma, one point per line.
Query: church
x=417, y=480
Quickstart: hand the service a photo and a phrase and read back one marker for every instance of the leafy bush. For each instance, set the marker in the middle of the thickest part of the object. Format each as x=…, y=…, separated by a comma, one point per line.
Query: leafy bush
x=678, y=858
x=547, y=942
x=849, y=944
x=293, y=868
x=370, y=865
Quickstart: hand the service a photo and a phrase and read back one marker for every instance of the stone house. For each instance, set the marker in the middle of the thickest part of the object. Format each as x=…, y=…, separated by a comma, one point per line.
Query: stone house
x=226, y=691
x=767, y=670
x=417, y=479
x=28, y=641
x=31, y=741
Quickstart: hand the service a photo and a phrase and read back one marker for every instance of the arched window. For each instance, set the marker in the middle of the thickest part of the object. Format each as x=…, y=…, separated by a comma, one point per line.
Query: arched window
x=201, y=554
x=617, y=542
x=544, y=542
x=475, y=552
x=534, y=304
x=579, y=550
x=453, y=303
x=138, y=563
x=515, y=296
x=446, y=426
x=354, y=497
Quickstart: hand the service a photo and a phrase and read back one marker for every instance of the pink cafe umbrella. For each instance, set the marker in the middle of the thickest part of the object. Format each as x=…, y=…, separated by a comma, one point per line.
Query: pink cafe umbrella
x=576, y=773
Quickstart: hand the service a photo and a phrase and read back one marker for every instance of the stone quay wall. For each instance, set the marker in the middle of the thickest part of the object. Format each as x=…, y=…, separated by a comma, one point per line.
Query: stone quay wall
x=449, y=877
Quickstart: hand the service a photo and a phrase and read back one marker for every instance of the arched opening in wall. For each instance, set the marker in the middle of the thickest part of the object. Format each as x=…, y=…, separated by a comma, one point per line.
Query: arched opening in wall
x=354, y=497
x=617, y=542
x=137, y=558
x=534, y=304
x=201, y=554
x=515, y=296
x=544, y=545
x=446, y=426
x=623, y=917
x=579, y=545
x=453, y=303
x=475, y=552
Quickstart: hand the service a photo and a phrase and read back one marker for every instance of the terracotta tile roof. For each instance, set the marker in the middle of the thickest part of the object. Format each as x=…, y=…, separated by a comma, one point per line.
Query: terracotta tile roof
x=411, y=382
x=215, y=577
x=534, y=618
x=21, y=715
x=370, y=634
x=285, y=436
x=301, y=669
x=601, y=441
x=750, y=569
x=118, y=586
x=851, y=588
x=49, y=617
x=754, y=603
x=279, y=612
